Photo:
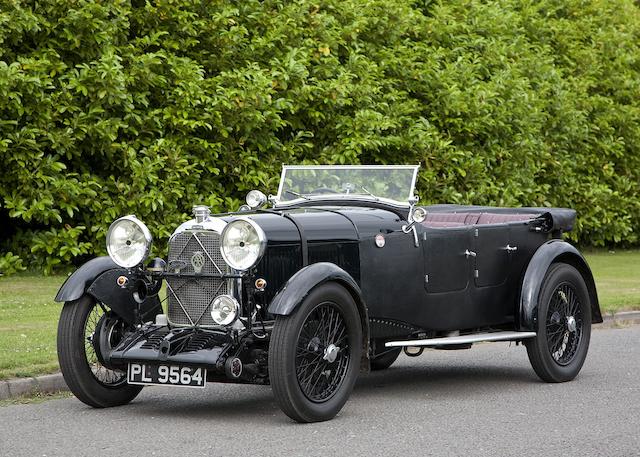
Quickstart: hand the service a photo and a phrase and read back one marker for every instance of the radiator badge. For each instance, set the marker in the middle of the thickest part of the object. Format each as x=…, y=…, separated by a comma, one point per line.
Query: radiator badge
x=197, y=261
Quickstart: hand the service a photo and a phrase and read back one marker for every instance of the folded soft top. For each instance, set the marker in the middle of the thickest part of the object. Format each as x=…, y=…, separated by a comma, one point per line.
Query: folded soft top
x=556, y=218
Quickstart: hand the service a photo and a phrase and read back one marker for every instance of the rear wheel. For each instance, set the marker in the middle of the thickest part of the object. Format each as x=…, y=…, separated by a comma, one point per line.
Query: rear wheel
x=84, y=326
x=314, y=355
x=558, y=352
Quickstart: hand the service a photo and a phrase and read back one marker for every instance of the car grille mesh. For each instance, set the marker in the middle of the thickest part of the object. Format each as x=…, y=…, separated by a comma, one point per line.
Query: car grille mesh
x=194, y=292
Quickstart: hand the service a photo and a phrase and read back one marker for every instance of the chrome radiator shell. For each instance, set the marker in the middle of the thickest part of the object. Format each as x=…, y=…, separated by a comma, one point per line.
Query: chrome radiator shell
x=194, y=257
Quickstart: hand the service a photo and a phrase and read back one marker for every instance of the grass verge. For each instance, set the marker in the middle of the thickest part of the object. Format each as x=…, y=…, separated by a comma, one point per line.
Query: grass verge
x=617, y=275
x=29, y=316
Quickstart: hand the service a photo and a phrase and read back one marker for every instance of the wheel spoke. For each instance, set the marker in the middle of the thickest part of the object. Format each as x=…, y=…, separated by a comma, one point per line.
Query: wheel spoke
x=320, y=374
x=562, y=342
x=102, y=374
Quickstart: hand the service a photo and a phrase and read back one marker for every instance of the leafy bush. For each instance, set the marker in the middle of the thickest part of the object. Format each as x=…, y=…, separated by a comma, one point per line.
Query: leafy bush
x=119, y=107
x=10, y=263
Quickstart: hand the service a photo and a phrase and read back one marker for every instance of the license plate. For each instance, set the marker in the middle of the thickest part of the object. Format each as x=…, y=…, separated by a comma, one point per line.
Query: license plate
x=166, y=375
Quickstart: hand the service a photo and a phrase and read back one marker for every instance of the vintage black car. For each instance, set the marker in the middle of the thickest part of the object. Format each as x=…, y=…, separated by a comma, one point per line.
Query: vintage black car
x=337, y=277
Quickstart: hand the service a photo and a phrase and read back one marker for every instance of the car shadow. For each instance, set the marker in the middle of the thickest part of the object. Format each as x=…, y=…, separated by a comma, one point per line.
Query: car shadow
x=445, y=380
x=254, y=404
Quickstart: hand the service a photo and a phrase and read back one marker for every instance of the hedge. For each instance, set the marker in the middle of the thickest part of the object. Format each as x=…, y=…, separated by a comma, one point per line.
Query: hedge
x=118, y=107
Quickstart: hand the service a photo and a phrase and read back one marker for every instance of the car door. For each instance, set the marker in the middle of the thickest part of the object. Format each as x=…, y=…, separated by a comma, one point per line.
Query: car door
x=492, y=254
x=446, y=255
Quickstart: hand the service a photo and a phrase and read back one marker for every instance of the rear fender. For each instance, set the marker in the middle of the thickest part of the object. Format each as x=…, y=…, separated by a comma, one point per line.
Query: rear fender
x=298, y=287
x=553, y=251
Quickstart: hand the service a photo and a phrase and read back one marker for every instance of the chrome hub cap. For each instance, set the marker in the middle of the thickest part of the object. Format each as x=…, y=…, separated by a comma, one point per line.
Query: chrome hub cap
x=571, y=324
x=331, y=353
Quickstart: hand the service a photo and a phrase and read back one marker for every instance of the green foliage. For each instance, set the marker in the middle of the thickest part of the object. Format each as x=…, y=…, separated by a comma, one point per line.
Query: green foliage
x=119, y=107
x=10, y=264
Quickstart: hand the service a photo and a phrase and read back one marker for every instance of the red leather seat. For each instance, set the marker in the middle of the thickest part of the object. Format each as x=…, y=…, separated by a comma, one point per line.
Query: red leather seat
x=495, y=218
x=438, y=224
x=443, y=220
x=446, y=217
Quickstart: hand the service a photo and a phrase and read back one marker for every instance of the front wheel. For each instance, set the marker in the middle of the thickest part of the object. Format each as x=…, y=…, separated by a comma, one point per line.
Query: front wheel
x=564, y=325
x=314, y=355
x=84, y=326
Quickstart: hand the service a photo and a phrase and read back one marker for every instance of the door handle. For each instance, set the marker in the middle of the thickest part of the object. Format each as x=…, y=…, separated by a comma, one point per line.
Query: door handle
x=469, y=253
x=510, y=248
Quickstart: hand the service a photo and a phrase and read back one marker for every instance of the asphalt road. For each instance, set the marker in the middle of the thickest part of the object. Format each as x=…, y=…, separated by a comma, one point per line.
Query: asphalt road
x=482, y=402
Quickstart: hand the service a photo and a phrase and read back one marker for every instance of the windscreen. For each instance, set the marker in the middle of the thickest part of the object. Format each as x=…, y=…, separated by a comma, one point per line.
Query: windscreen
x=393, y=183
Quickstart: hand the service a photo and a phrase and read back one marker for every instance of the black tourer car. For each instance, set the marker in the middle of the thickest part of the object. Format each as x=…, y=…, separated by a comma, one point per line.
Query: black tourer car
x=333, y=276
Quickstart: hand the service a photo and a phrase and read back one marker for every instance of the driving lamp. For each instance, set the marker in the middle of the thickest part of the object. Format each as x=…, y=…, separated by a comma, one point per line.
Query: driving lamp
x=256, y=199
x=224, y=310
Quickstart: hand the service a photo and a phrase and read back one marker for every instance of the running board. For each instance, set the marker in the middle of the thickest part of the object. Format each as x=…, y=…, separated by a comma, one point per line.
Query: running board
x=464, y=339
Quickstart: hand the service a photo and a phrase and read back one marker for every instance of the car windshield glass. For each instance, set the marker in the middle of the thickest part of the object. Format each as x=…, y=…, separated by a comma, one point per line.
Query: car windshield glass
x=392, y=183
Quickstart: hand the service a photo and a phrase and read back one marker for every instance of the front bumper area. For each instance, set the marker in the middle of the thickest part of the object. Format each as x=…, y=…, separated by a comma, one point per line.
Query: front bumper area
x=191, y=346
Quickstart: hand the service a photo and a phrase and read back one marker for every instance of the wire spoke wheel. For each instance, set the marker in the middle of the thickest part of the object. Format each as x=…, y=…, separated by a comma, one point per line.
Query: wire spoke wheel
x=558, y=351
x=95, y=323
x=322, y=353
x=564, y=324
x=87, y=332
x=315, y=354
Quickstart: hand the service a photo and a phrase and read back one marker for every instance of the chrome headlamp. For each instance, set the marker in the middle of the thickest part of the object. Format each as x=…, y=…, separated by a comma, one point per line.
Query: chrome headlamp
x=128, y=241
x=243, y=244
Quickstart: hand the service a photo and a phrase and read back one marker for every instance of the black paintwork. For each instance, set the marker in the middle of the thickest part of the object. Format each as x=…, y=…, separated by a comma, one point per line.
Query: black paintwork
x=296, y=289
x=122, y=299
x=550, y=252
x=76, y=284
x=401, y=289
x=98, y=278
x=435, y=286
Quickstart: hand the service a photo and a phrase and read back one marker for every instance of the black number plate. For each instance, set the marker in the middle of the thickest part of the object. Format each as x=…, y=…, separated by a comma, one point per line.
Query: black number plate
x=166, y=375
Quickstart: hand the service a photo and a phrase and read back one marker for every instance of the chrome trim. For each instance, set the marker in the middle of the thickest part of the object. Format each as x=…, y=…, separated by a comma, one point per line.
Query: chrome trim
x=145, y=231
x=212, y=223
x=262, y=237
x=236, y=309
x=464, y=339
x=261, y=199
x=216, y=225
x=201, y=213
x=181, y=306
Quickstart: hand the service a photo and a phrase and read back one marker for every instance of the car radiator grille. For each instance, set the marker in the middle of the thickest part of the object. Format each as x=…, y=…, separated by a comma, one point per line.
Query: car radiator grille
x=191, y=293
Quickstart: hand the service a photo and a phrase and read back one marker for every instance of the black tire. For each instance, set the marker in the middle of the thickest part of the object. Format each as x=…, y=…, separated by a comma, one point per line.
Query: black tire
x=559, y=350
x=89, y=380
x=301, y=345
x=385, y=360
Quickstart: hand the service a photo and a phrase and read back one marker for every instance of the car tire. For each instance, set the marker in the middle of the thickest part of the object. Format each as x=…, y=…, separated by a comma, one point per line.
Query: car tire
x=559, y=350
x=89, y=380
x=385, y=360
x=314, y=354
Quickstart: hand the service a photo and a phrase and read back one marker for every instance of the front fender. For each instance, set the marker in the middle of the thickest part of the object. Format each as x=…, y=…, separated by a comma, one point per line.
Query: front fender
x=298, y=287
x=98, y=278
x=552, y=251
x=76, y=284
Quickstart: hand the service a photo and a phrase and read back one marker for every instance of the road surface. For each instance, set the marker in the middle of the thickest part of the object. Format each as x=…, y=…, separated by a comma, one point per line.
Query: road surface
x=481, y=402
